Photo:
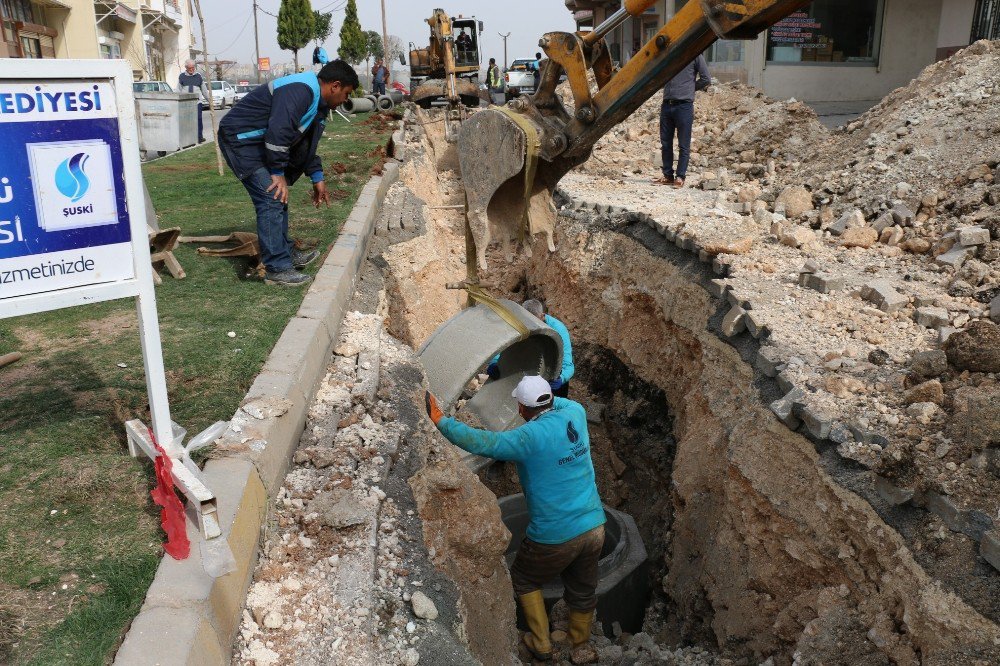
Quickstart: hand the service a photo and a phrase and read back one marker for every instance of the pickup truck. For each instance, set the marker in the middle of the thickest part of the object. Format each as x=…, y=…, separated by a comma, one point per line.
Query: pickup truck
x=520, y=77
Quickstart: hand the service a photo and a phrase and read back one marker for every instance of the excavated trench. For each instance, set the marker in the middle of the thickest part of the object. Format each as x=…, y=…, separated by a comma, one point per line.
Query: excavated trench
x=754, y=550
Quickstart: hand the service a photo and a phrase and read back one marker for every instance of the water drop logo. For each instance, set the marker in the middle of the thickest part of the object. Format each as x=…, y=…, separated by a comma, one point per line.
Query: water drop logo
x=70, y=177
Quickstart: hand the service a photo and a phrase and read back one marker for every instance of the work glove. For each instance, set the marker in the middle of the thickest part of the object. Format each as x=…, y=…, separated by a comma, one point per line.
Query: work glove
x=556, y=383
x=433, y=410
x=493, y=370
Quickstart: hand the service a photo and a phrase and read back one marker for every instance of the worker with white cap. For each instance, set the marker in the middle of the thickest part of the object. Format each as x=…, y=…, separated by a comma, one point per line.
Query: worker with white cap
x=566, y=529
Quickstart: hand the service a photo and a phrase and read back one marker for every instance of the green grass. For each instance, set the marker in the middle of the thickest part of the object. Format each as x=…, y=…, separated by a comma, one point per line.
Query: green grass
x=76, y=509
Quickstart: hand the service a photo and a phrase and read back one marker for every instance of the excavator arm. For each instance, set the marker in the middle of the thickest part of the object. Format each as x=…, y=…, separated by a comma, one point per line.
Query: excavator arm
x=513, y=157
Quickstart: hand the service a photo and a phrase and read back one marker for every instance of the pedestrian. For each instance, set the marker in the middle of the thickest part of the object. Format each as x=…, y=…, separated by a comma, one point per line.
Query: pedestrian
x=565, y=532
x=380, y=76
x=677, y=117
x=191, y=81
x=494, y=82
x=269, y=139
x=536, y=67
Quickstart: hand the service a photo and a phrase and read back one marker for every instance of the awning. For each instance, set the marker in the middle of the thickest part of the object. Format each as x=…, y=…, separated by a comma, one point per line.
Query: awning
x=151, y=17
x=53, y=3
x=122, y=12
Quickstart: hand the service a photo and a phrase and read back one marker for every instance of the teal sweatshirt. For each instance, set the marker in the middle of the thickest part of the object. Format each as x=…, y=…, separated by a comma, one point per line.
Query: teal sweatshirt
x=552, y=454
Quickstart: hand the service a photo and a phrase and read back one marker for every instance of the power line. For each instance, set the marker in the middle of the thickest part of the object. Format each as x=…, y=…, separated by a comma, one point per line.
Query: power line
x=233, y=43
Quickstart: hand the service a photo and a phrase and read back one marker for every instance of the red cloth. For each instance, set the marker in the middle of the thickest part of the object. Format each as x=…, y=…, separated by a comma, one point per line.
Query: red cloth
x=172, y=512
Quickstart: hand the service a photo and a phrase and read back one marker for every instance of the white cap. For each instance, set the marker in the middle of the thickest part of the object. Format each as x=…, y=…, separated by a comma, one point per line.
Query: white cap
x=533, y=391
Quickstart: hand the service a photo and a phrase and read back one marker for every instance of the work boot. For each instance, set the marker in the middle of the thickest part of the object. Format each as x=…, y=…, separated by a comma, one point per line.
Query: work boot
x=537, y=639
x=289, y=278
x=581, y=651
x=302, y=259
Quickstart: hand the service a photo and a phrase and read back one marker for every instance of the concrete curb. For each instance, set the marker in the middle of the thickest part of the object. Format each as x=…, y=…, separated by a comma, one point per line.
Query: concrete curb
x=188, y=617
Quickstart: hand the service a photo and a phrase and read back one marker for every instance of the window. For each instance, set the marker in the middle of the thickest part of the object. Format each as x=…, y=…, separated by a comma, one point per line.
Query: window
x=986, y=20
x=725, y=50
x=31, y=46
x=17, y=10
x=828, y=31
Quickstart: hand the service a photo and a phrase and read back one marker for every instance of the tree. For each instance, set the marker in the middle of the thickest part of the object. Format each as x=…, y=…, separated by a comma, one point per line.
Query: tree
x=323, y=26
x=296, y=26
x=393, y=49
x=374, y=45
x=353, y=43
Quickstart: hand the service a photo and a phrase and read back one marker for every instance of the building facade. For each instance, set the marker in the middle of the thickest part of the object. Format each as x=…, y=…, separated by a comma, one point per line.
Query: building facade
x=154, y=36
x=831, y=50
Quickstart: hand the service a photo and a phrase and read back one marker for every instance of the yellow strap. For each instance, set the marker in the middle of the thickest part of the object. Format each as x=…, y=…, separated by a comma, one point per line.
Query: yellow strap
x=477, y=294
x=532, y=147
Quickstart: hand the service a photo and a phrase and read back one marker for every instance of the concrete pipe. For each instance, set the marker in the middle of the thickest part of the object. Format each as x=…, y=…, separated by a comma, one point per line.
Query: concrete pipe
x=623, y=572
x=384, y=103
x=463, y=346
x=358, y=105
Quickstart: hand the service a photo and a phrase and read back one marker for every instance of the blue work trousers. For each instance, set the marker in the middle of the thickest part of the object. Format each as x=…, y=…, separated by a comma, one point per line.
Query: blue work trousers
x=378, y=88
x=676, y=116
x=272, y=222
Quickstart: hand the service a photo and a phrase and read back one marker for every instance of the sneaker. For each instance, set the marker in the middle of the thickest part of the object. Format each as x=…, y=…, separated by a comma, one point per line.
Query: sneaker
x=289, y=278
x=302, y=259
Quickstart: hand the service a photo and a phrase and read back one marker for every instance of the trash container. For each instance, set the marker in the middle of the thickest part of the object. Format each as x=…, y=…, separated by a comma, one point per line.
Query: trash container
x=167, y=121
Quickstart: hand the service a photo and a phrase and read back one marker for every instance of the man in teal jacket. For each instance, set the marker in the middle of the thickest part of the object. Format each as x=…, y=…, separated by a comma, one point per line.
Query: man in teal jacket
x=566, y=529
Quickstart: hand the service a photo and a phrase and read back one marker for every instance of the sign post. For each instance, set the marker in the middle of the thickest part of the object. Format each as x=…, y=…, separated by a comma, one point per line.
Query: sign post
x=73, y=219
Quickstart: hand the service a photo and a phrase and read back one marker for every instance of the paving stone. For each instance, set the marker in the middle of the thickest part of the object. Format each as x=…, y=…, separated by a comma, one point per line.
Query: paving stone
x=973, y=236
x=737, y=299
x=946, y=510
x=811, y=266
x=932, y=317
x=720, y=267
x=734, y=322
x=785, y=408
x=768, y=360
x=784, y=381
x=824, y=283
x=884, y=296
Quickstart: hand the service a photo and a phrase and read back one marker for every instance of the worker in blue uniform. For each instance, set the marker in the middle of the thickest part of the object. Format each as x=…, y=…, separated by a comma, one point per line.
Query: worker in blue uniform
x=560, y=385
x=565, y=534
x=269, y=139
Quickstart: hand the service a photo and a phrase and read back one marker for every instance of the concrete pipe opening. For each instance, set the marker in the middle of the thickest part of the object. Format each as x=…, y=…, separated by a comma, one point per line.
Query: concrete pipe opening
x=623, y=573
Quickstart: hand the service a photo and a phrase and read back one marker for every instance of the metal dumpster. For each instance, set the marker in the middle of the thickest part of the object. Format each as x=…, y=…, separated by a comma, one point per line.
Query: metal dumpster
x=167, y=121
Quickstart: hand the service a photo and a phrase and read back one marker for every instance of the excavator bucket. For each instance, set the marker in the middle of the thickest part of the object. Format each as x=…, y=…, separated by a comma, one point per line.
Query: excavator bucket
x=508, y=188
x=434, y=92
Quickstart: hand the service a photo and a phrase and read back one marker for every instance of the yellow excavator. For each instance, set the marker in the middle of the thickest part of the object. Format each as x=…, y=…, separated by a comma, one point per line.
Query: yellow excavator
x=447, y=70
x=512, y=157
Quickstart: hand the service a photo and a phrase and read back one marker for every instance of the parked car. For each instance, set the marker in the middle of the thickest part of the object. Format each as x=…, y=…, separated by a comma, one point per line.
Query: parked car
x=244, y=90
x=223, y=94
x=151, y=86
x=520, y=77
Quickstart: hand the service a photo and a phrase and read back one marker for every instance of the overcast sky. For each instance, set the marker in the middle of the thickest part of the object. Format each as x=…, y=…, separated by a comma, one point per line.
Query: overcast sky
x=229, y=24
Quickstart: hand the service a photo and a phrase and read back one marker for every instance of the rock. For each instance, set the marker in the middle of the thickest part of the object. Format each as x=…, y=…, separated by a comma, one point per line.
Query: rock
x=916, y=245
x=932, y=317
x=849, y=220
x=883, y=222
x=956, y=256
x=878, y=357
x=822, y=282
x=891, y=236
x=411, y=657
x=974, y=272
x=932, y=363
x=930, y=391
x=338, y=508
x=995, y=309
x=617, y=465
x=884, y=296
x=976, y=349
x=423, y=607
x=973, y=236
x=798, y=237
x=796, y=199
x=273, y=620
x=738, y=246
x=902, y=215
x=859, y=237
x=558, y=636
x=922, y=411
x=733, y=323
x=929, y=202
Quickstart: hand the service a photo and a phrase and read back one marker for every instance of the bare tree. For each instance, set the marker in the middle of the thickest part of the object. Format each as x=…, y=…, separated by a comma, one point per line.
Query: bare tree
x=393, y=49
x=211, y=102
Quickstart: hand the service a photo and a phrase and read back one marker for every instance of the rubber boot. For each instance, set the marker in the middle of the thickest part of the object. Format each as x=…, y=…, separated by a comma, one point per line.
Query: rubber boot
x=581, y=652
x=537, y=639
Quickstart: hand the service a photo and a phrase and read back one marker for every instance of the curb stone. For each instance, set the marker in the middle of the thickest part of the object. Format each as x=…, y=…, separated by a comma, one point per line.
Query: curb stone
x=188, y=617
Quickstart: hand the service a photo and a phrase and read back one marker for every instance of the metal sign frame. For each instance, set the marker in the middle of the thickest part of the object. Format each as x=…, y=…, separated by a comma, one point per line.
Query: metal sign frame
x=119, y=75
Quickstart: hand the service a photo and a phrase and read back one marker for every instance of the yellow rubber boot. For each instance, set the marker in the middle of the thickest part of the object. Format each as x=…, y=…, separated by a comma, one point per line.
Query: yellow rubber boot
x=537, y=639
x=581, y=651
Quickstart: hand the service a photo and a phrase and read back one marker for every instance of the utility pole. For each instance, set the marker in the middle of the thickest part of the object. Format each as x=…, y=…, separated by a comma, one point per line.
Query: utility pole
x=256, y=40
x=504, y=37
x=385, y=40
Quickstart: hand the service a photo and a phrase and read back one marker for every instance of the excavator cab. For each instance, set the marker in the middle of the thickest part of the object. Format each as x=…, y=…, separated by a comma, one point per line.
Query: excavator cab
x=446, y=72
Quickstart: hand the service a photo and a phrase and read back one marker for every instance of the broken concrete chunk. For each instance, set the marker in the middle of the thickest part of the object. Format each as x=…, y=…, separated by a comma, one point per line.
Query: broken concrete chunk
x=768, y=360
x=902, y=215
x=973, y=236
x=956, y=256
x=884, y=296
x=367, y=384
x=824, y=283
x=267, y=407
x=933, y=363
x=733, y=323
x=817, y=422
x=338, y=508
x=932, y=317
x=849, y=220
x=784, y=408
x=883, y=222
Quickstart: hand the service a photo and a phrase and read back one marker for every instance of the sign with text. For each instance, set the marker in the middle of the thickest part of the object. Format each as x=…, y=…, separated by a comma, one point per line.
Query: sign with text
x=264, y=64
x=63, y=215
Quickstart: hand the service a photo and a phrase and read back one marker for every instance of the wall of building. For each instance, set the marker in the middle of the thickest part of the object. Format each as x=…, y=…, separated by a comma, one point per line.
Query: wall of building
x=955, y=26
x=909, y=43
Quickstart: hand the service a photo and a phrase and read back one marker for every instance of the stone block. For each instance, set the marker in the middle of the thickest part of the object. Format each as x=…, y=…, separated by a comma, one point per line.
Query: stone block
x=955, y=257
x=785, y=381
x=945, y=509
x=718, y=287
x=884, y=296
x=970, y=236
x=850, y=219
x=822, y=282
x=734, y=322
x=768, y=360
x=891, y=236
x=883, y=222
x=892, y=493
x=720, y=267
x=785, y=408
x=704, y=256
x=840, y=433
x=816, y=422
x=811, y=266
x=902, y=215
x=989, y=548
x=754, y=322
x=737, y=299
x=932, y=317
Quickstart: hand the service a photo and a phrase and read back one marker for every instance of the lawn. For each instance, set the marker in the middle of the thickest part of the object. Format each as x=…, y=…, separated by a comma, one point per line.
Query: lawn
x=79, y=539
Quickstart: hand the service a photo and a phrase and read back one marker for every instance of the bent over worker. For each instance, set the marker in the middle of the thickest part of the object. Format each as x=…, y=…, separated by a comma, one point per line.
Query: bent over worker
x=566, y=529
x=269, y=139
